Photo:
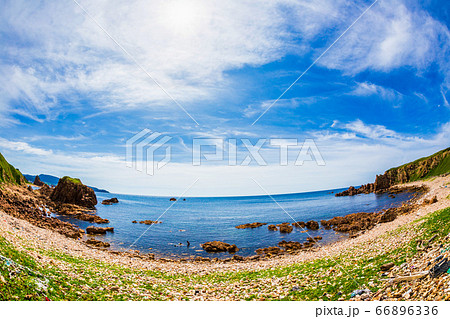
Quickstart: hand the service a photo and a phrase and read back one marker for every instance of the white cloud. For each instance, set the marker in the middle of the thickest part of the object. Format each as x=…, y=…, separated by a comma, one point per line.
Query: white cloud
x=369, y=89
x=389, y=36
x=353, y=152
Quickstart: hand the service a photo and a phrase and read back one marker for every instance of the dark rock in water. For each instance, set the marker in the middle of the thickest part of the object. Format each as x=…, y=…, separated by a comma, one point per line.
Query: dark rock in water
x=173, y=199
x=318, y=238
x=299, y=224
x=97, y=243
x=313, y=225
x=72, y=191
x=286, y=228
x=92, y=230
x=272, y=228
x=391, y=196
x=111, y=201
x=251, y=225
x=149, y=222
x=269, y=251
x=134, y=221
x=238, y=258
x=218, y=246
x=387, y=266
x=37, y=181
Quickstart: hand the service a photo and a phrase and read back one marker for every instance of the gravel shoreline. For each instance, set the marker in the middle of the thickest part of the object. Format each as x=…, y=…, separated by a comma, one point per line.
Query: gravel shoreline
x=29, y=238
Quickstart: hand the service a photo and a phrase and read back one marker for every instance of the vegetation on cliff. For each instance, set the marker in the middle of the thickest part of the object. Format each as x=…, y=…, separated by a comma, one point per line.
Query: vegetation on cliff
x=422, y=168
x=9, y=174
x=72, y=191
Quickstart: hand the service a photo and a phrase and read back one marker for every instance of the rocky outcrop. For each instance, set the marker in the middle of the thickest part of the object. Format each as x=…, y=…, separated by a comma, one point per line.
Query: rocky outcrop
x=97, y=243
x=92, y=230
x=299, y=224
x=38, y=182
x=173, y=199
x=31, y=209
x=286, y=228
x=313, y=225
x=77, y=212
x=269, y=251
x=251, y=225
x=290, y=245
x=272, y=227
x=72, y=191
x=111, y=201
x=356, y=222
x=434, y=165
x=218, y=246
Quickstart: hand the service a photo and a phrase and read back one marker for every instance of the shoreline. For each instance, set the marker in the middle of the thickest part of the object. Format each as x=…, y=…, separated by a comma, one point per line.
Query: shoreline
x=24, y=236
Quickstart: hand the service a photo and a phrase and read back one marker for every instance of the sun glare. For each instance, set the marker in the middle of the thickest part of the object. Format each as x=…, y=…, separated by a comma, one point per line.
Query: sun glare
x=183, y=16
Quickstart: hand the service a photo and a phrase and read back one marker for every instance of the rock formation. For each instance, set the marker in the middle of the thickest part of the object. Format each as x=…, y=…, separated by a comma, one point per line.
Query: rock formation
x=92, y=230
x=72, y=191
x=38, y=182
x=111, y=201
x=434, y=165
x=218, y=246
x=251, y=225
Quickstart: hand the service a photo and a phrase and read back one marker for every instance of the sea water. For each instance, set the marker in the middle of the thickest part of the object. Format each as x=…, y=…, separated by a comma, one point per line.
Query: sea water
x=202, y=219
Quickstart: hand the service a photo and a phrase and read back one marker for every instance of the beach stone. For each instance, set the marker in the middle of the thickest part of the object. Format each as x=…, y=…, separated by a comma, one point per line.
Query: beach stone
x=387, y=266
x=290, y=245
x=97, y=243
x=238, y=258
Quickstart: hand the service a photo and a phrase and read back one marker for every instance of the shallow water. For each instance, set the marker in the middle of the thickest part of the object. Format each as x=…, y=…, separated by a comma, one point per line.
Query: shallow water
x=199, y=220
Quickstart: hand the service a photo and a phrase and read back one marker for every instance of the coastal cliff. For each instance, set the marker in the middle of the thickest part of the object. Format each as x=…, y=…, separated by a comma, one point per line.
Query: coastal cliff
x=9, y=174
x=422, y=168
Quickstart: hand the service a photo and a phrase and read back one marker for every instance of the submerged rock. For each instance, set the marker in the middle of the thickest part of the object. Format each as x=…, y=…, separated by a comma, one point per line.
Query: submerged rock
x=148, y=222
x=251, y=225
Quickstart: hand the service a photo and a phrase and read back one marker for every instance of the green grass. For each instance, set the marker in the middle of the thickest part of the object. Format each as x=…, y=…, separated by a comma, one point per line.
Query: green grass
x=74, y=278
x=415, y=174
x=9, y=174
x=72, y=180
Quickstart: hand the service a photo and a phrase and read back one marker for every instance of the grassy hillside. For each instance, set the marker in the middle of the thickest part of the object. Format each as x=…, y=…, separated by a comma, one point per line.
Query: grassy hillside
x=9, y=174
x=423, y=168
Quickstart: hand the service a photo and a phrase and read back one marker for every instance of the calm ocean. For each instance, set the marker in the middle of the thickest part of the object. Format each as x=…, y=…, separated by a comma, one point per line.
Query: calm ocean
x=199, y=220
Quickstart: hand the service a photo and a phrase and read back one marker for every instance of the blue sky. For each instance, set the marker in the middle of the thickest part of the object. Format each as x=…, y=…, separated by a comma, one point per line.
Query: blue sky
x=70, y=97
